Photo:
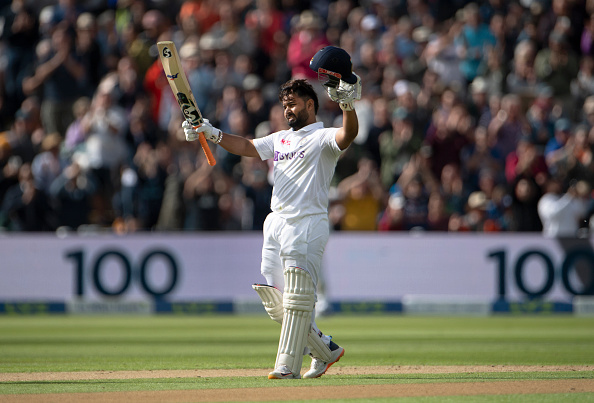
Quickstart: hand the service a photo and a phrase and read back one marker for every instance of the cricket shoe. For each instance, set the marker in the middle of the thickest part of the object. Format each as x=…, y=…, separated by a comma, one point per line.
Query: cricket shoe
x=283, y=372
x=319, y=367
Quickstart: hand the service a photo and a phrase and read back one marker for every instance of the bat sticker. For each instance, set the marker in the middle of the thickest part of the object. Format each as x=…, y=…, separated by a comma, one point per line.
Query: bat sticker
x=166, y=52
x=188, y=108
x=172, y=76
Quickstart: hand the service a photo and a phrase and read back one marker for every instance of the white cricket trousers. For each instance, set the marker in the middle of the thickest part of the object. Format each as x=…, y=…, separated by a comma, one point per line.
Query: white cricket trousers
x=297, y=242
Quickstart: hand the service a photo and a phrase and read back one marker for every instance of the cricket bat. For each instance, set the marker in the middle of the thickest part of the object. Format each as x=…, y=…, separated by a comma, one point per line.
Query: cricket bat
x=183, y=93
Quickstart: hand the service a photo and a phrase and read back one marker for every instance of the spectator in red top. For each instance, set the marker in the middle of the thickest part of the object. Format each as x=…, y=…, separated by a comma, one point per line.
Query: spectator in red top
x=267, y=22
x=204, y=12
x=306, y=40
x=446, y=138
x=526, y=161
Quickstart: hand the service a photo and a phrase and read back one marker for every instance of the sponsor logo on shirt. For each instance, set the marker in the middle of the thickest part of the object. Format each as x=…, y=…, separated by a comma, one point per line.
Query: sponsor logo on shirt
x=278, y=156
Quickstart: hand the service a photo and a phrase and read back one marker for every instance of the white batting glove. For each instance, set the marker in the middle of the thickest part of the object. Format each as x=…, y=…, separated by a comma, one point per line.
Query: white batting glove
x=189, y=131
x=210, y=132
x=346, y=94
x=354, y=91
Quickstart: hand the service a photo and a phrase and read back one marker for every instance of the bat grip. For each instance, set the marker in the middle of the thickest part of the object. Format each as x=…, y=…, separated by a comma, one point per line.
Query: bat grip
x=209, y=157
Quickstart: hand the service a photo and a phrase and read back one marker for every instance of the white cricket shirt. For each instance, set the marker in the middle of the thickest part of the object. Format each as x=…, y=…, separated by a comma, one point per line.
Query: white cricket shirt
x=304, y=163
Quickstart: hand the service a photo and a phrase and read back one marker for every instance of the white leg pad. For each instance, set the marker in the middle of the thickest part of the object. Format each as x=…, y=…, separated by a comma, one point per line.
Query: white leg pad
x=298, y=303
x=272, y=300
x=318, y=347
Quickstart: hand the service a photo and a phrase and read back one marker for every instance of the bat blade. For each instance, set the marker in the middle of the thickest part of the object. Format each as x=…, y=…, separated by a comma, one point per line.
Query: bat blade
x=176, y=77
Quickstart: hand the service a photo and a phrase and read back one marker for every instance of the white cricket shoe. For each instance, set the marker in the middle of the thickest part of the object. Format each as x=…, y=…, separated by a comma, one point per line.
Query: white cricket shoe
x=283, y=372
x=319, y=367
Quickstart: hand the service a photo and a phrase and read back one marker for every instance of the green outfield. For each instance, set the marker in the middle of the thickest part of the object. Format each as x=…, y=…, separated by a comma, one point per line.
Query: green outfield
x=413, y=350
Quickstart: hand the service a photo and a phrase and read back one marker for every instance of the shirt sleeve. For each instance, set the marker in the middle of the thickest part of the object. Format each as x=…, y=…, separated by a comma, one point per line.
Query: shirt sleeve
x=329, y=142
x=265, y=146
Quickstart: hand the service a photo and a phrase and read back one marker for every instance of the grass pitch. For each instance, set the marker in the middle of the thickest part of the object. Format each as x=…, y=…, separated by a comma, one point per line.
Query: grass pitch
x=131, y=343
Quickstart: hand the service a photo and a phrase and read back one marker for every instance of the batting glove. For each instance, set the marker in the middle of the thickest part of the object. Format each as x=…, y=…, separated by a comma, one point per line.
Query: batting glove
x=210, y=132
x=346, y=94
x=354, y=94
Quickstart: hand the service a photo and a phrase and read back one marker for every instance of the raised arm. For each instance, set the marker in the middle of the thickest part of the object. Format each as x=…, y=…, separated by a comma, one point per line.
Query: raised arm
x=349, y=130
x=335, y=69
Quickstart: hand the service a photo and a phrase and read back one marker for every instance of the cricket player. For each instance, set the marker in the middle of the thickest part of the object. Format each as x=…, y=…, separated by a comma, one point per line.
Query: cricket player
x=297, y=229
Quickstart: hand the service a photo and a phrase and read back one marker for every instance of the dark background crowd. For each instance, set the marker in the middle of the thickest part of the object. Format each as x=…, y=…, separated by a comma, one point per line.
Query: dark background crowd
x=475, y=116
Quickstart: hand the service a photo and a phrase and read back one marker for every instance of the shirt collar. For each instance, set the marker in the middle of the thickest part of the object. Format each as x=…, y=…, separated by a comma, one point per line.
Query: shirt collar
x=310, y=128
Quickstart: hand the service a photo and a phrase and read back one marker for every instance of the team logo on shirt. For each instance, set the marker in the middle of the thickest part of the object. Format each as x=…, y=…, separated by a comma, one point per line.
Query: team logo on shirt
x=278, y=156
x=285, y=142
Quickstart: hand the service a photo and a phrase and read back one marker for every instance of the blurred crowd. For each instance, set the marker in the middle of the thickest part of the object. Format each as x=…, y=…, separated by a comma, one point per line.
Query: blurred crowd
x=475, y=116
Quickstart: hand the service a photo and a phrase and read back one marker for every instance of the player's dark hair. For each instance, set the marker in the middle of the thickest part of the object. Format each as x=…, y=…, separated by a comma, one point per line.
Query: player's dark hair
x=302, y=89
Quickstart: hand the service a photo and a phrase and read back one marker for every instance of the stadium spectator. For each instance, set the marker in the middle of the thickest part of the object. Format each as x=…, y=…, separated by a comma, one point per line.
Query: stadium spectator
x=474, y=217
x=415, y=185
x=75, y=133
x=127, y=87
x=526, y=161
x=522, y=79
x=441, y=56
x=437, y=216
x=452, y=189
x=583, y=85
x=72, y=193
x=473, y=42
x=524, y=205
x=19, y=35
x=362, y=197
x=392, y=218
x=558, y=148
x=202, y=193
x=258, y=191
x=477, y=102
x=152, y=172
x=557, y=66
x=445, y=139
x=58, y=64
x=478, y=156
x=381, y=122
x=268, y=25
x=230, y=34
x=562, y=212
x=580, y=164
x=508, y=125
x=308, y=36
x=25, y=207
x=541, y=116
x=46, y=166
x=397, y=146
x=105, y=147
x=88, y=51
x=136, y=46
x=256, y=105
x=18, y=141
x=203, y=12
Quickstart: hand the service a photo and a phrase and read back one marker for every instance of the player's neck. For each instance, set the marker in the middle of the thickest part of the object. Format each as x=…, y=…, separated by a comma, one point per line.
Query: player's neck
x=305, y=124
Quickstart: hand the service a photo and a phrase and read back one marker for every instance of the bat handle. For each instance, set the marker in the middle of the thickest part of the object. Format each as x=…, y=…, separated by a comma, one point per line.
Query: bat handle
x=209, y=157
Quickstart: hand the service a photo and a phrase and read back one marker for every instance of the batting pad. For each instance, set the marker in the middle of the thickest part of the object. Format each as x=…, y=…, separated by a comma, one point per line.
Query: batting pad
x=298, y=303
x=318, y=348
x=272, y=299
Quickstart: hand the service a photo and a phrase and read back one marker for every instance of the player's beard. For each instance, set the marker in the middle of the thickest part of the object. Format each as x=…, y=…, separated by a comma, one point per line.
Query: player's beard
x=299, y=120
